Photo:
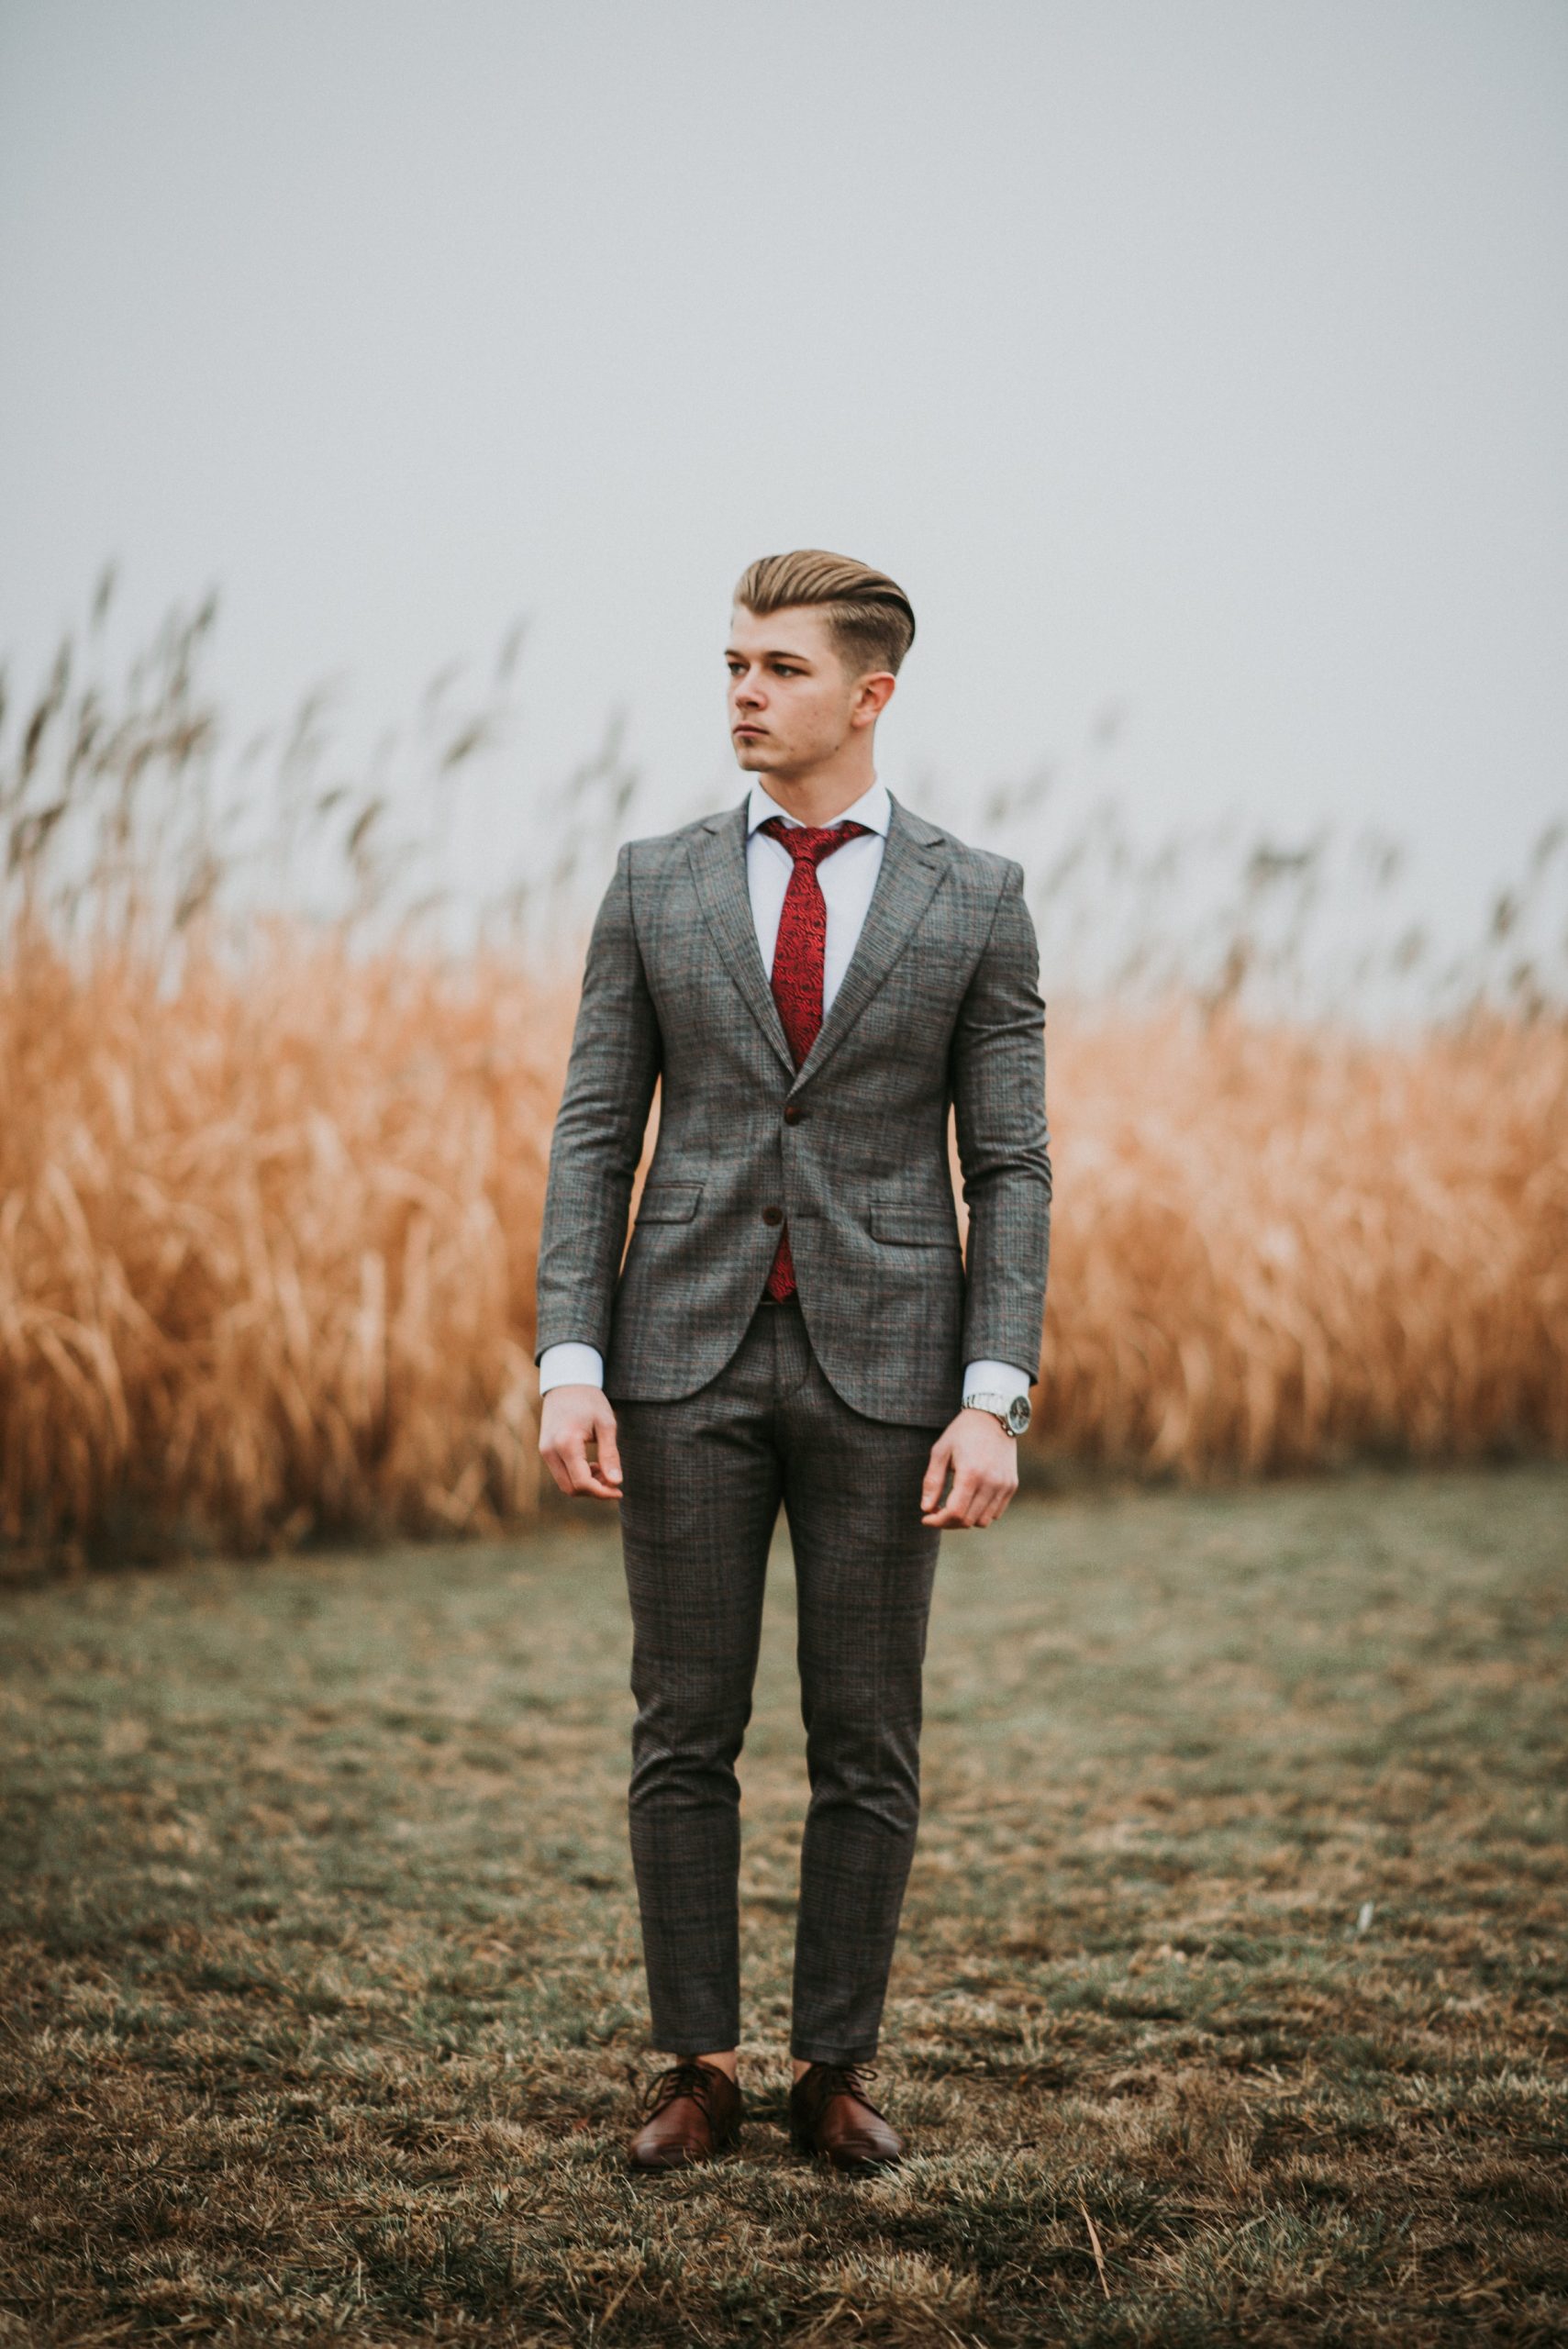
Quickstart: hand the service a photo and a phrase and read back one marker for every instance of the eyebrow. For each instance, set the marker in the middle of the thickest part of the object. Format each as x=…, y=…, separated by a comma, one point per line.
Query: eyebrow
x=774, y=653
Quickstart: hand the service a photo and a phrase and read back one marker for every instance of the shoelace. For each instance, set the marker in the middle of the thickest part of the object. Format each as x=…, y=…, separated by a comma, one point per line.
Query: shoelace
x=691, y=2079
x=844, y=2079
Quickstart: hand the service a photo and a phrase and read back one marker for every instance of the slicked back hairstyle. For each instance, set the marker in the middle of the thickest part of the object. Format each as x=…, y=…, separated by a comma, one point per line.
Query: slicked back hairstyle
x=869, y=616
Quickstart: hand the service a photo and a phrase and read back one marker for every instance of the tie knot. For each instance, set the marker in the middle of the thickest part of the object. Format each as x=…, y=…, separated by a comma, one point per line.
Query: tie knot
x=810, y=843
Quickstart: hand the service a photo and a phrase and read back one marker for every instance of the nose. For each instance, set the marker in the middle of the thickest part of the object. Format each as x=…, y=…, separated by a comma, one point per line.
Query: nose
x=748, y=690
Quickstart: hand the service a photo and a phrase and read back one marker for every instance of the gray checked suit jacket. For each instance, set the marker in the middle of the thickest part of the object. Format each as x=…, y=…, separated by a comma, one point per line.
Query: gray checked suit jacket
x=940, y=1005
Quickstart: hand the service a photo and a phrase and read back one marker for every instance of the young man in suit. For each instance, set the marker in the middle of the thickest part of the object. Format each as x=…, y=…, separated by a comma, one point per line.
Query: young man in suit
x=812, y=978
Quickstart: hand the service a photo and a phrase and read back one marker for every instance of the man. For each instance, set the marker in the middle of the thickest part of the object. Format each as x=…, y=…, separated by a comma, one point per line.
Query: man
x=812, y=979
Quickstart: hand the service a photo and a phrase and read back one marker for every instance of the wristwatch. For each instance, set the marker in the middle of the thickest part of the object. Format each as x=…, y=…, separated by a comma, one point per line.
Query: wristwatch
x=1013, y=1410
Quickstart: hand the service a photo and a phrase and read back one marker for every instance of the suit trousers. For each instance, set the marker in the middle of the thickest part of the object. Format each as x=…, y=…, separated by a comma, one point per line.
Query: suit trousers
x=703, y=1478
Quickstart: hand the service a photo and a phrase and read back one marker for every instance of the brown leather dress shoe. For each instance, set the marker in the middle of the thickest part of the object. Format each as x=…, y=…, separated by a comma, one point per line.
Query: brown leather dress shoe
x=830, y=2114
x=693, y=2110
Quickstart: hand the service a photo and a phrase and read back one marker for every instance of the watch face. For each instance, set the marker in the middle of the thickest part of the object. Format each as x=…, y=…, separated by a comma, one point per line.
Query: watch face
x=1018, y=1414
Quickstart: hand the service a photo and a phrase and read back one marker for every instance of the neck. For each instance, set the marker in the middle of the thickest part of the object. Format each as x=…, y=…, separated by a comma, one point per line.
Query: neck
x=818, y=794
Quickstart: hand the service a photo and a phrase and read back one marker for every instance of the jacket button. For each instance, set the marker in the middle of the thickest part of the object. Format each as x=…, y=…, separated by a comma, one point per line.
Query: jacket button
x=772, y=1215
x=793, y=1113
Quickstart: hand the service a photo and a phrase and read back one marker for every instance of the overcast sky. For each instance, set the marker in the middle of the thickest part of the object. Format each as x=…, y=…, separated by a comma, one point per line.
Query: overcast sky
x=1202, y=361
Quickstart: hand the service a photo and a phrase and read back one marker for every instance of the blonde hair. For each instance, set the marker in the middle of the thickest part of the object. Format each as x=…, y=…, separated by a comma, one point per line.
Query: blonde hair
x=871, y=617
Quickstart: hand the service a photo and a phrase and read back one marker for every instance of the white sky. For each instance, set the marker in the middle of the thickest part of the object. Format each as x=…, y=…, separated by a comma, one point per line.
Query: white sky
x=1206, y=358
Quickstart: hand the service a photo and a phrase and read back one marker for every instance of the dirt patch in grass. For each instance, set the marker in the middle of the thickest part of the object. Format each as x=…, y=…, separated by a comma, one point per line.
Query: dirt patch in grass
x=1229, y=2006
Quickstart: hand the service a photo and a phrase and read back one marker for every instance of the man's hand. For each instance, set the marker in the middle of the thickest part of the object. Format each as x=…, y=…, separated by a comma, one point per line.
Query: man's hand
x=571, y=1418
x=984, y=1462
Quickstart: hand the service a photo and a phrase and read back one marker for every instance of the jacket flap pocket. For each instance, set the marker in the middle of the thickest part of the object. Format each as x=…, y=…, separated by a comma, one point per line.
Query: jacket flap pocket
x=668, y=1202
x=916, y=1226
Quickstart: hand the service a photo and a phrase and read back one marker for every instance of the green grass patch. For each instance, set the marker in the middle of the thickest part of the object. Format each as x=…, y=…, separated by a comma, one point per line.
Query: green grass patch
x=1234, y=1948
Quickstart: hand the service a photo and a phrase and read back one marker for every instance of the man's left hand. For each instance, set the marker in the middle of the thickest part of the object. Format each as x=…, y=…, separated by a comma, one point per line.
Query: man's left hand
x=984, y=1460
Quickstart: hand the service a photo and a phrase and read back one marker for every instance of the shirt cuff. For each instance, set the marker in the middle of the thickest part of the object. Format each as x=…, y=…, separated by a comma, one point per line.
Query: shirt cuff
x=571, y=1364
x=994, y=1378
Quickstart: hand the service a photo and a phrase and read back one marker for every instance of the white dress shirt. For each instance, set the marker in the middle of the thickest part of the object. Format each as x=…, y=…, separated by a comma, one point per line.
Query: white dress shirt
x=847, y=878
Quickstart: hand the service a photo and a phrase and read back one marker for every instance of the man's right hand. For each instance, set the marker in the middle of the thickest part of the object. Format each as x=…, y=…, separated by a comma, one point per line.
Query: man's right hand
x=571, y=1418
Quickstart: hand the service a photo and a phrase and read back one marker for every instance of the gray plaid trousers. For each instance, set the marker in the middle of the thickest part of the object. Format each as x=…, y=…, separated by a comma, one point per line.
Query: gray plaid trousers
x=704, y=1478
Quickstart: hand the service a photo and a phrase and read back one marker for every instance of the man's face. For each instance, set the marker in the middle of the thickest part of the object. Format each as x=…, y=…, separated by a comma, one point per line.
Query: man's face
x=791, y=701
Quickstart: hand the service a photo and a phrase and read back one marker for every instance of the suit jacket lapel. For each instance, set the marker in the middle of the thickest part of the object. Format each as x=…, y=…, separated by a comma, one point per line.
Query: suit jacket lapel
x=718, y=868
x=912, y=864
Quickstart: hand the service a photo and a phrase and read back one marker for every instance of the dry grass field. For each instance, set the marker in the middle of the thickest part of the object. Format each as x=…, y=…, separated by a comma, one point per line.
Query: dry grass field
x=270, y=1181
x=267, y=1246
x=1229, y=2007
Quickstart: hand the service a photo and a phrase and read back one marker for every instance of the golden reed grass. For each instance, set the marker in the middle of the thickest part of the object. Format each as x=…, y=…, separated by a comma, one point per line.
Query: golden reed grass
x=269, y=1218
x=1278, y=1247
x=267, y=1246
x=268, y=1241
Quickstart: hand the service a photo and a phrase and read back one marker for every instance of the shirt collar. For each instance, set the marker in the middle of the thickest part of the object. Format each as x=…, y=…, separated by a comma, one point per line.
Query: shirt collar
x=873, y=808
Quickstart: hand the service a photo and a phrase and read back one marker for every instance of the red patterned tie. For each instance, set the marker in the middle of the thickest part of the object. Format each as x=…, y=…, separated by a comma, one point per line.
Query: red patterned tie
x=798, y=964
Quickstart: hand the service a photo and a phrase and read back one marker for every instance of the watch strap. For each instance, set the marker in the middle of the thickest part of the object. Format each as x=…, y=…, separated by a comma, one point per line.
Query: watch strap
x=999, y=1406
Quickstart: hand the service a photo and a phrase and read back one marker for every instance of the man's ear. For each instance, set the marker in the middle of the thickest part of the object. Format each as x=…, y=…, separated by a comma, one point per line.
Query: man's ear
x=872, y=696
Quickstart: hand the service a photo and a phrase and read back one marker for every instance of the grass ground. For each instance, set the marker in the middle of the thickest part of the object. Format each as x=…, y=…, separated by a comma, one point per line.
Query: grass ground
x=1229, y=2008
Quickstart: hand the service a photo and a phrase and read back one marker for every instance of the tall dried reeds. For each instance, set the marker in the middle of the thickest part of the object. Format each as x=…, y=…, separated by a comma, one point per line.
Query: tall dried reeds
x=1278, y=1247
x=266, y=1244
x=269, y=1184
